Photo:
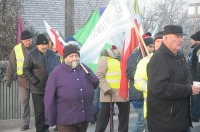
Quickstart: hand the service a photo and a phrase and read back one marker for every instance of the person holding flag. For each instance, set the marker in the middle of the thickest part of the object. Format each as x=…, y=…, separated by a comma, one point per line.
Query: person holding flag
x=109, y=74
x=69, y=93
x=135, y=96
x=140, y=84
x=15, y=66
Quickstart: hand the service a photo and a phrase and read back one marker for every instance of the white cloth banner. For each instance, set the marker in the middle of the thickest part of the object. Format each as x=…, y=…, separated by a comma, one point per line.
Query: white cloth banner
x=116, y=19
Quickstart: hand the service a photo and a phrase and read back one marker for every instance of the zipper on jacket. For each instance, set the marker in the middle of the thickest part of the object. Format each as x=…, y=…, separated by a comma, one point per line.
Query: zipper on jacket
x=171, y=111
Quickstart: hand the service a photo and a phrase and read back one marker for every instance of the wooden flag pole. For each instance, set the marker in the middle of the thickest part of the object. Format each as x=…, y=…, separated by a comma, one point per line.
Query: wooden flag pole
x=142, y=51
x=140, y=39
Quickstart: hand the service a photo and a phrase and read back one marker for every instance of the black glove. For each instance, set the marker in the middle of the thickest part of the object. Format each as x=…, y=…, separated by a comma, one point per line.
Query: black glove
x=35, y=82
x=8, y=83
x=14, y=78
x=108, y=92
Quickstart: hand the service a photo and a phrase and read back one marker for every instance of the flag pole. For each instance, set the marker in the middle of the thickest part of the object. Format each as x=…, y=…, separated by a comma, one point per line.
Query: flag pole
x=142, y=51
x=140, y=38
x=111, y=115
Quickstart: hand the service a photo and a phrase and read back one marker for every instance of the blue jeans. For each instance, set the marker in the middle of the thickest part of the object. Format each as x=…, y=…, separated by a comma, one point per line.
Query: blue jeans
x=195, y=106
x=140, y=124
x=96, y=102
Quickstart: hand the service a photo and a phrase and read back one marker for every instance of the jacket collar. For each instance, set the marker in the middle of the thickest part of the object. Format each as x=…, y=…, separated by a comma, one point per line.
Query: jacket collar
x=69, y=69
x=27, y=48
x=164, y=48
x=193, y=45
x=46, y=54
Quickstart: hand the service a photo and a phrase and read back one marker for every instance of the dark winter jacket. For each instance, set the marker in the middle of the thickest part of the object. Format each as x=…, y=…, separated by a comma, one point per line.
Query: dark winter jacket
x=193, y=61
x=132, y=62
x=37, y=67
x=169, y=90
x=195, y=67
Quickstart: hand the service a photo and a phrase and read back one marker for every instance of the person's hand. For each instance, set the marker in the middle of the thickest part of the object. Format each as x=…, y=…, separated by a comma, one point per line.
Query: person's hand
x=195, y=90
x=14, y=78
x=108, y=92
x=36, y=82
x=8, y=83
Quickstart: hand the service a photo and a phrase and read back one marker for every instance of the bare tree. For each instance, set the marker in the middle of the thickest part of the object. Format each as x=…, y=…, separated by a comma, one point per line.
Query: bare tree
x=165, y=12
x=8, y=21
x=170, y=12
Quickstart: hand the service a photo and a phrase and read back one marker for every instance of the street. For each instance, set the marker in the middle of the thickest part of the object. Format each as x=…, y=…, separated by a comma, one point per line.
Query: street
x=14, y=125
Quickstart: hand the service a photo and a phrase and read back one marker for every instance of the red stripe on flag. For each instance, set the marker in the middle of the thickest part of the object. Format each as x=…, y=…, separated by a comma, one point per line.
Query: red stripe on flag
x=125, y=54
x=58, y=44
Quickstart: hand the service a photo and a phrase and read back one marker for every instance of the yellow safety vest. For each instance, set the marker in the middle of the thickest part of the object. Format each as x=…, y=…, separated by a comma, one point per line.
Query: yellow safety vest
x=61, y=59
x=113, y=75
x=141, y=79
x=19, y=58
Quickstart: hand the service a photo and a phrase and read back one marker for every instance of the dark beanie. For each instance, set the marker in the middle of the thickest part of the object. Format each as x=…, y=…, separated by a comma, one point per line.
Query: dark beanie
x=69, y=49
x=148, y=41
x=41, y=39
x=159, y=35
x=26, y=35
x=198, y=36
x=193, y=37
x=148, y=34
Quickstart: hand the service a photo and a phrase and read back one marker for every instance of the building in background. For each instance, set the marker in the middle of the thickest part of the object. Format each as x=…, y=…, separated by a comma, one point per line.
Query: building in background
x=65, y=16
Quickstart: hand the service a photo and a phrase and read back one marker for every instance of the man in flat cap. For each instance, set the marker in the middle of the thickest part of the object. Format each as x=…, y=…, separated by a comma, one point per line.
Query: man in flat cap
x=15, y=66
x=169, y=86
x=37, y=66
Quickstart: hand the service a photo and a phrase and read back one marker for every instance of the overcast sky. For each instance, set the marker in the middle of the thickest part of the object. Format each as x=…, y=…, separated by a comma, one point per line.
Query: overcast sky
x=148, y=3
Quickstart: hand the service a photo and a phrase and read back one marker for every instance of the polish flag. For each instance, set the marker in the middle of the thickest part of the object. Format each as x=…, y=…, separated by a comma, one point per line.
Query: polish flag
x=130, y=43
x=55, y=38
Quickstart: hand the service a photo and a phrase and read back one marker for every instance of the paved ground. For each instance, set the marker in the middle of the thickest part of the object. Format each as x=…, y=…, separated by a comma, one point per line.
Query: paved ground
x=13, y=125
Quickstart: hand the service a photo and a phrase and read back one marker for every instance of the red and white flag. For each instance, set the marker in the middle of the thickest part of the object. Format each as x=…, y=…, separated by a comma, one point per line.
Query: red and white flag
x=55, y=38
x=130, y=43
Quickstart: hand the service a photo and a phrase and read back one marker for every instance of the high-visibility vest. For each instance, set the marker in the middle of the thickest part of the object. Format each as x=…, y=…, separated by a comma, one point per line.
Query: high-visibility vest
x=141, y=79
x=61, y=59
x=113, y=75
x=19, y=58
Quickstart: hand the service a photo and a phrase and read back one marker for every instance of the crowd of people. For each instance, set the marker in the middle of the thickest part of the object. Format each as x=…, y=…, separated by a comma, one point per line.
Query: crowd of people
x=65, y=91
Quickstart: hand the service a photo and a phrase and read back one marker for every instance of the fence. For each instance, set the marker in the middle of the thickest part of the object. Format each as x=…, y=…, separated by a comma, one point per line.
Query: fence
x=9, y=102
x=9, y=97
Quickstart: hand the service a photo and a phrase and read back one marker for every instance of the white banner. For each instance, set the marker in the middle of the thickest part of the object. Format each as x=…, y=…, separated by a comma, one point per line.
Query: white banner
x=116, y=19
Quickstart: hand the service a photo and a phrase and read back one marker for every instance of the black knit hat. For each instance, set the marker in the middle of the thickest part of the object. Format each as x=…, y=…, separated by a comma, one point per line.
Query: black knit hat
x=193, y=37
x=41, y=39
x=173, y=29
x=148, y=41
x=26, y=35
x=198, y=36
x=148, y=34
x=69, y=49
x=159, y=35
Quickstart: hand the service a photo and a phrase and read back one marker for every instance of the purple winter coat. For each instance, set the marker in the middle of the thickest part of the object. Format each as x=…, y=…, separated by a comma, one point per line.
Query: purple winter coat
x=69, y=96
